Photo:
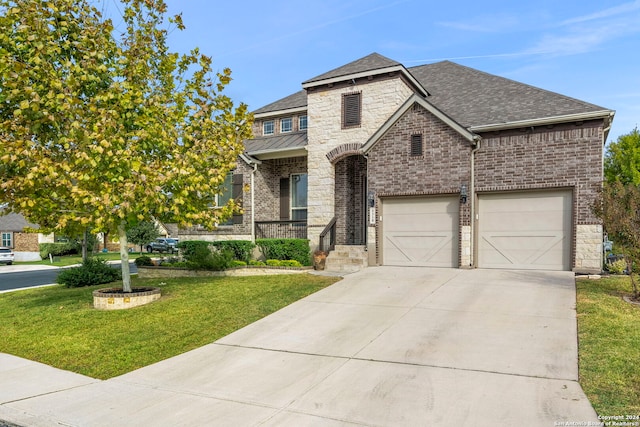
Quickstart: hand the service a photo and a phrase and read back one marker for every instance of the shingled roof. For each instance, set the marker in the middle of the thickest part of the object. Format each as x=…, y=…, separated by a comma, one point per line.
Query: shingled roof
x=278, y=143
x=475, y=98
x=472, y=98
x=14, y=222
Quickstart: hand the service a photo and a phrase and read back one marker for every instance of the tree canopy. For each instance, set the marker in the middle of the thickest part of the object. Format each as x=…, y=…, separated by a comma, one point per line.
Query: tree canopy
x=622, y=159
x=102, y=128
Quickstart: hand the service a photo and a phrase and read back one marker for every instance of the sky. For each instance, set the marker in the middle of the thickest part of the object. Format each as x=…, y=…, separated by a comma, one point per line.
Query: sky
x=584, y=49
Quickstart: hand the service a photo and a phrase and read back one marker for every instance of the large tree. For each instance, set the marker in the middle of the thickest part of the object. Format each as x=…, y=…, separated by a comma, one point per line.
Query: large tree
x=103, y=127
x=622, y=159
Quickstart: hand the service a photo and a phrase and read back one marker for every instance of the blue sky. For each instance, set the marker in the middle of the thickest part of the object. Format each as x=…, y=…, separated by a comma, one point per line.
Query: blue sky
x=584, y=49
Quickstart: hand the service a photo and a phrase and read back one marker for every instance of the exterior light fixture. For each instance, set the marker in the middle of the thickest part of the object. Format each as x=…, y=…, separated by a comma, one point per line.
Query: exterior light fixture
x=463, y=194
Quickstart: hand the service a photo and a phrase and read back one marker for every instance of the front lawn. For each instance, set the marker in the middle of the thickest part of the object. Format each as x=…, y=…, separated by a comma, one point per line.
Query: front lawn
x=59, y=327
x=609, y=346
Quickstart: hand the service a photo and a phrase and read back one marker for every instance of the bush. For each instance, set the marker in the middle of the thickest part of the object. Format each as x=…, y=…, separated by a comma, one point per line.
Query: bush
x=257, y=263
x=143, y=260
x=200, y=256
x=93, y=271
x=241, y=249
x=618, y=266
x=286, y=249
x=237, y=263
x=58, y=249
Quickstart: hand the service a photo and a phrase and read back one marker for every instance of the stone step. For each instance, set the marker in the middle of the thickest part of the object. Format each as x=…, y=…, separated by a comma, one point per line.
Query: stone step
x=346, y=258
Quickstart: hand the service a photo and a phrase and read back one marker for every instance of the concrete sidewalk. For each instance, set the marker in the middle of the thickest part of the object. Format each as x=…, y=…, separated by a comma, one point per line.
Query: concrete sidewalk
x=383, y=347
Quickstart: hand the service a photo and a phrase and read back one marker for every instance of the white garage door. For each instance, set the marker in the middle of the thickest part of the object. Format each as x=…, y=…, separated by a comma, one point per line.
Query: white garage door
x=420, y=231
x=525, y=230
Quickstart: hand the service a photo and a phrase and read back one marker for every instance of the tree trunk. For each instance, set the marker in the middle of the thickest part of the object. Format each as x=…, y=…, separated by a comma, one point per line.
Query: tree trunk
x=85, y=242
x=124, y=257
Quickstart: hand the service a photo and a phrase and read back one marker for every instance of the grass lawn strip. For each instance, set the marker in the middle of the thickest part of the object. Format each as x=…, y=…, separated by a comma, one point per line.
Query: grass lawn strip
x=59, y=326
x=609, y=346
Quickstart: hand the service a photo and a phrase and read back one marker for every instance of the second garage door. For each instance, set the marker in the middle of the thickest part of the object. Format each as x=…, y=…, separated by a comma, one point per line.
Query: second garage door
x=420, y=231
x=525, y=230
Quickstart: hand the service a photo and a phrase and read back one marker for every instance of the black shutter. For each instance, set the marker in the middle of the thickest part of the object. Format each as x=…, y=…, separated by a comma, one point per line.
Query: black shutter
x=351, y=110
x=236, y=194
x=284, y=199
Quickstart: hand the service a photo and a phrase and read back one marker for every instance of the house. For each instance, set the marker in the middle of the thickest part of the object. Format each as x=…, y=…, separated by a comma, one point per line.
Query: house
x=17, y=233
x=435, y=165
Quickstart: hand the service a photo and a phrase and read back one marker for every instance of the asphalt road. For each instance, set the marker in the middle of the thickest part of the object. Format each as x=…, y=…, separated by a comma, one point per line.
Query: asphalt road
x=32, y=278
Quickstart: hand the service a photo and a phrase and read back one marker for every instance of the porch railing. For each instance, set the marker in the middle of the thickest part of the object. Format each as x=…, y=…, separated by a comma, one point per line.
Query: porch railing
x=281, y=229
x=328, y=236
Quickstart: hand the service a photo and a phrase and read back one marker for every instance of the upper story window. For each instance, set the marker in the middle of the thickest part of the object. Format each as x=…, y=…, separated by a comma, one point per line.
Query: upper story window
x=302, y=123
x=286, y=125
x=416, y=145
x=351, y=109
x=267, y=127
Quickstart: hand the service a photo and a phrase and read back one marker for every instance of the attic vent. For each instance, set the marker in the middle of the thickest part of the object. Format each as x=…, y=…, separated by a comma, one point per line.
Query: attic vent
x=351, y=106
x=416, y=145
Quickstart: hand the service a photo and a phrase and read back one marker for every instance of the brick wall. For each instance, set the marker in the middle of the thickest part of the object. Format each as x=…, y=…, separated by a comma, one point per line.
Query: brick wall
x=26, y=242
x=267, y=183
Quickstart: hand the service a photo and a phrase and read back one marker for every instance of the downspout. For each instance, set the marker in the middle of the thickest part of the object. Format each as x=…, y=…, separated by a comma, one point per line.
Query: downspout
x=472, y=202
x=253, y=204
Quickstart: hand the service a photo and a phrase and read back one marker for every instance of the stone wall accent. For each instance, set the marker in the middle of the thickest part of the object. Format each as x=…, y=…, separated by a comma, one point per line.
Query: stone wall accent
x=380, y=99
x=465, y=246
x=343, y=151
x=103, y=300
x=26, y=242
x=589, y=253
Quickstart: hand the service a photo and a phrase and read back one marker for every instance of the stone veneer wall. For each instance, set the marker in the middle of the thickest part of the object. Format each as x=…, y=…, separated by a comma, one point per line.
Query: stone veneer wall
x=380, y=99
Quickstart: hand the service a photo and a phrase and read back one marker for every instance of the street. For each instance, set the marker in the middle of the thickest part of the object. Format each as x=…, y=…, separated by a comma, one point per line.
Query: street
x=27, y=276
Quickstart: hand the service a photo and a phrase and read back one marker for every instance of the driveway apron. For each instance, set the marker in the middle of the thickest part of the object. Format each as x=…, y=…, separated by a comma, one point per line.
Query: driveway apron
x=383, y=347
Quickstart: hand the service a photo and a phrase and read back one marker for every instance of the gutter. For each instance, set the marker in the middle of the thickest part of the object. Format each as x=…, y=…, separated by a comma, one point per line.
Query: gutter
x=601, y=114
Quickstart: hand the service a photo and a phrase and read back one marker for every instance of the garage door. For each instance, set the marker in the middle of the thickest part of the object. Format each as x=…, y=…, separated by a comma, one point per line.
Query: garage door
x=420, y=231
x=525, y=230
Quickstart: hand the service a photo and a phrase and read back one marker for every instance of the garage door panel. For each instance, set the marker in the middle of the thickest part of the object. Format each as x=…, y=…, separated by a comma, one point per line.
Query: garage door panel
x=525, y=230
x=420, y=232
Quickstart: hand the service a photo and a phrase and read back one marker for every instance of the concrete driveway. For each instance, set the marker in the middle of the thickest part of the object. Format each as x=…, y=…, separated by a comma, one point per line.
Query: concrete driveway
x=383, y=347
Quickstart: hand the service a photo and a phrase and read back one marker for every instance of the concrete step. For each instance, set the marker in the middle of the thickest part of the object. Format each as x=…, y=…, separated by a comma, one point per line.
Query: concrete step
x=346, y=258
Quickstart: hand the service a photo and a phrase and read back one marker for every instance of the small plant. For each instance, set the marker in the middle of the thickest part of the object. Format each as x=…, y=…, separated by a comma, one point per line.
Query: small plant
x=286, y=249
x=236, y=263
x=257, y=263
x=618, y=266
x=93, y=271
x=143, y=261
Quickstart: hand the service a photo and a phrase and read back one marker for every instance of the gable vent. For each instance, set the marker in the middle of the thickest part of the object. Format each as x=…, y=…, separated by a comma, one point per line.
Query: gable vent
x=351, y=106
x=416, y=145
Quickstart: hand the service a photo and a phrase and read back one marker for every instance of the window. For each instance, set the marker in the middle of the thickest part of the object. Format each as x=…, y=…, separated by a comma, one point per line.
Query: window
x=351, y=105
x=416, y=145
x=226, y=194
x=7, y=240
x=302, y=123
x=299, y=196
x=286, y=125
x=267, y=127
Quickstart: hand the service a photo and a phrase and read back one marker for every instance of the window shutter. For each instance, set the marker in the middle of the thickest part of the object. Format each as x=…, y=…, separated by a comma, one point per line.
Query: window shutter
x=236, y=194
x=351, y=110
x=284, y=199
x=416, y=145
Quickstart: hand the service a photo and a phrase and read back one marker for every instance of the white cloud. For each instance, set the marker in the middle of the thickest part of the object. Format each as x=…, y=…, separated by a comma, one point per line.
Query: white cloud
x=605, y=13
x=495, y=23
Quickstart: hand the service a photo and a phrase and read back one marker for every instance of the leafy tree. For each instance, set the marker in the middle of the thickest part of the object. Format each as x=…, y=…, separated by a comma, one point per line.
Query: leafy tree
x=99, y=132
x=622, y=159
x=143, y=233
x=618, y=206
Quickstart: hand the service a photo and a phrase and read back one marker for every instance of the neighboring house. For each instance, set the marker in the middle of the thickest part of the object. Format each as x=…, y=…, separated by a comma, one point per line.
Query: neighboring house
x=25, y=245
x=435, y=165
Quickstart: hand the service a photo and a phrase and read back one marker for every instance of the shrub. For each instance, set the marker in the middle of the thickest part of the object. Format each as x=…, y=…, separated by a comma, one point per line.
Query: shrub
x=257, y=263
x=200, y=256
x=273, y=262
x=93, y=271
x=241, y=249
x=58, y=249
x=618, y=266
x=143, y=260
x=290, y=263
x=237, y=263
x=286, y=249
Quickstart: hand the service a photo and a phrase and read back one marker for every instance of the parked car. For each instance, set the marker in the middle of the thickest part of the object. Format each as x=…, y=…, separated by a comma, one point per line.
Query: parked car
x=163, y=244
x=6, y=256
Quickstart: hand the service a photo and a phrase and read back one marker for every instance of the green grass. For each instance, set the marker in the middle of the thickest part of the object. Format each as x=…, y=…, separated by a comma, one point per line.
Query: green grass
x=59, y=327
x=609, y=345
x=67, y=260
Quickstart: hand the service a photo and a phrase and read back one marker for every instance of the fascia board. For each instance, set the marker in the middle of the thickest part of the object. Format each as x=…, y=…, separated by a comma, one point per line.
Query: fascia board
x=601, y=114
x=280, y=112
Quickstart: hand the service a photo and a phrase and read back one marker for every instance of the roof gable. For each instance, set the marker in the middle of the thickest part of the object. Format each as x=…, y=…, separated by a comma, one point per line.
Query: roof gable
x=14, y=222
x=371, y=142
x=369, y=63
